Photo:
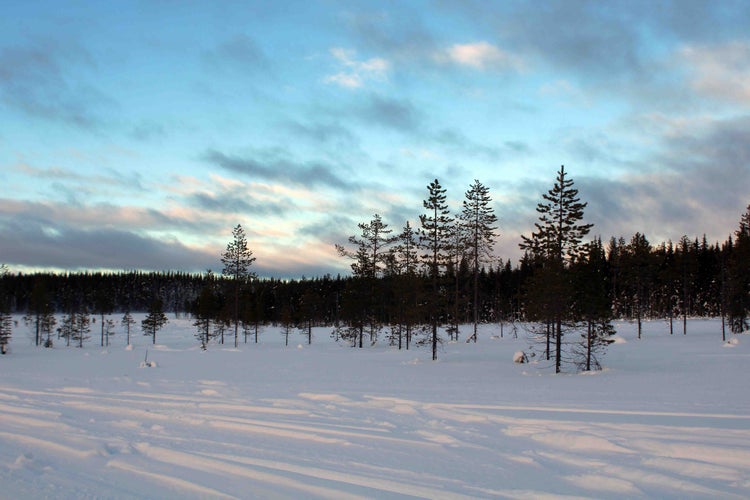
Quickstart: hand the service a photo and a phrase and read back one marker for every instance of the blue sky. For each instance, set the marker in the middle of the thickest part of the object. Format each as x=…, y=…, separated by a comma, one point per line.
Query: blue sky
x=135, y=135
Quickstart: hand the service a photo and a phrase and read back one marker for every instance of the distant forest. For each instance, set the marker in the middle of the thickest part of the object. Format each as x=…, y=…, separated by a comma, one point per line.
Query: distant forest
x=438, y=274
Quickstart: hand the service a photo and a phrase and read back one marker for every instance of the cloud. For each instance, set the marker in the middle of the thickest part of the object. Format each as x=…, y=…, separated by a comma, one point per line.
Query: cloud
x=720, y=71
x=148, y=131
x=456, y=141
x=403, y=38
x=274, y=165
x=33, y=243
x=354, y=73
x=330, y=133
x=389, y=112
x=45, y=80
x=239, y=52
x=700, y=187
x=239, y=202
x=480, y=55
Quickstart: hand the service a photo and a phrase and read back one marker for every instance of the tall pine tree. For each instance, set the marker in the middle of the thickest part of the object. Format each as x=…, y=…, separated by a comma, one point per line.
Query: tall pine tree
x=556, y=243
x=738, y=293
x=237, y=260
x=370, y=256
x=434, y=239
x=479, y=219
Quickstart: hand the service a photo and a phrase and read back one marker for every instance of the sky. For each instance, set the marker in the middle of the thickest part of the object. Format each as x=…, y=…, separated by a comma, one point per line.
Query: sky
x=136, y=135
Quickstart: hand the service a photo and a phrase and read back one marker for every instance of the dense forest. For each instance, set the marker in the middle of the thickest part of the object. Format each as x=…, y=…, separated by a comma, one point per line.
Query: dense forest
x=407, y=283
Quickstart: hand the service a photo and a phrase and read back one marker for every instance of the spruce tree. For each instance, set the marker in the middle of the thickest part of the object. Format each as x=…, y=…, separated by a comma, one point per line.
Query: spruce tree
x=639, y=267
x=237, y=260
x=738, y=293
x=155, y=319
x=127, y=322
x=556, y=243
x=593, y=305
x=434, y=240
x=479, y=219
x=82, y=326
x=6, y=321
x=370, y=255
x=204, y=311
x=40, y=312
x=407, y=280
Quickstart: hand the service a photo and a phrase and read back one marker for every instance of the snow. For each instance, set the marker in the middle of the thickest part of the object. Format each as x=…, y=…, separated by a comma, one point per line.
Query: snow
x=669, y=417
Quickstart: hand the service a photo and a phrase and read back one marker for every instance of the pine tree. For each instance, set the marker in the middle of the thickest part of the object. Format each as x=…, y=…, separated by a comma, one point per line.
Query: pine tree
x=237, y=260
x=103, y=305
x=205, y=309
x=639, y=266
x=6, y=321
x=553, y=246
x=593, y=305
x=40, y=312
x=370, y=256
x=406, y=287
x=155, y=319
x=127, y=322
x=479, y=219
x=82, y=326
x=434, y=239
x=738, y=293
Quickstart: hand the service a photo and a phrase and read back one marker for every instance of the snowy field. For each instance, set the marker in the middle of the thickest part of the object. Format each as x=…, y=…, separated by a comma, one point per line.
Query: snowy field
x=669, y=417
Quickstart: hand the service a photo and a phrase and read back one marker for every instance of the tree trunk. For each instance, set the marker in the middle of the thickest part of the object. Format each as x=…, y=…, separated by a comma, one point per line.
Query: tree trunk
x=588, y=347
x=558, y=346
x=434, y=340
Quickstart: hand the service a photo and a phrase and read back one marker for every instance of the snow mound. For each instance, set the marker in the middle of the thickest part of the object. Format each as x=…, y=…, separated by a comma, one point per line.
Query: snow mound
x=734, y=341
x=520, y=357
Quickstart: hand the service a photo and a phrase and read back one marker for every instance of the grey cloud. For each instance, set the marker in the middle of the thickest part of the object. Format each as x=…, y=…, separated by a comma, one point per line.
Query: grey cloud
x=240, y=53
x=401, y=38
x=325, y=133
x=454, y=139
x=703, y=190
x=606, y=41
x=148, y=131
x=34, y=79
x=397, y=114
x=30, y=243
x=703, y=20
x=232, y=202
x=272, y=165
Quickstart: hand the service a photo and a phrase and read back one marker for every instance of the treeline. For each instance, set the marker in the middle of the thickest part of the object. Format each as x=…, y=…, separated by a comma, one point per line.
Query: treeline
x=418, y=282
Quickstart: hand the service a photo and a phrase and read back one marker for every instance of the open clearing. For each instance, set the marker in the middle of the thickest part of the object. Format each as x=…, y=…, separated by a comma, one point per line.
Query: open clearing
x=669, y=417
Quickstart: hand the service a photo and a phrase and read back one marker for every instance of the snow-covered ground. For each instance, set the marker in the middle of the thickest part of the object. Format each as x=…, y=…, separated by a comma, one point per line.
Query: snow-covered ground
x=669, y=417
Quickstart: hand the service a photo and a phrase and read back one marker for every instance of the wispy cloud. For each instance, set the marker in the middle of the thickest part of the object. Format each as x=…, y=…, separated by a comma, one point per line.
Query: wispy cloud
x=239, y=52
x=354, y=73
x=276, y=165
x=36, y=79
x=479, y=55
x=720, y=71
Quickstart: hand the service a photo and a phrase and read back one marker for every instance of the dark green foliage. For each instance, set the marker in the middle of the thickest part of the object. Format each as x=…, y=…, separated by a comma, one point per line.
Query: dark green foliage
x=372, y=258
x=559, y=233
x=155, y=319
x=6, y=321
x=592, y=306
x=738, y=293
x=551, y=249
x=205, y=309
x=237, y=260
x=478, y=219
x=435, y=240
x=127, y=321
